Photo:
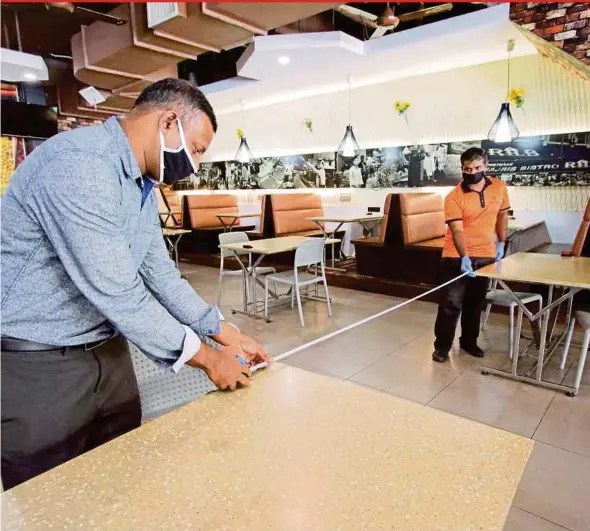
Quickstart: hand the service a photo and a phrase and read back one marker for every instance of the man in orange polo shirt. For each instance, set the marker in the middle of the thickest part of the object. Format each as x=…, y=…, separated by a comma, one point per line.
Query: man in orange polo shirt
x=476, y=210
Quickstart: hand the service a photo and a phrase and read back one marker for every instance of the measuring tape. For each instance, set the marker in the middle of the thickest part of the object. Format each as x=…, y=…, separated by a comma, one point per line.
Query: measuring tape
x=354, y=325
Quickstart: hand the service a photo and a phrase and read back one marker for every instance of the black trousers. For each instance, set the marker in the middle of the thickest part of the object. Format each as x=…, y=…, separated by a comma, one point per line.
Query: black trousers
x=464, y=297
x=59, y=404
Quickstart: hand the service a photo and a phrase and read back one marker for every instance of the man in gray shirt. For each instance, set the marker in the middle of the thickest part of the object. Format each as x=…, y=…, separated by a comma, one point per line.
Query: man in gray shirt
x=84, y=266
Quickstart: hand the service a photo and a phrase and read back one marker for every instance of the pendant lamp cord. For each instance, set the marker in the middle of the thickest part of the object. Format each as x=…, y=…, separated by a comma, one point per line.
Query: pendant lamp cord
x=510, y=47
x=242, y=113
x=348, y=78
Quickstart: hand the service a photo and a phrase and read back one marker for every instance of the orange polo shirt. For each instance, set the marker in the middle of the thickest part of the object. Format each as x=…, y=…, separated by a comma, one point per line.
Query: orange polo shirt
x=479, y=212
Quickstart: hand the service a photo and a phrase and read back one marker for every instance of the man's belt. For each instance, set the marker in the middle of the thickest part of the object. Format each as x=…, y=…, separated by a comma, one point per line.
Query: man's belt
x=23, y=345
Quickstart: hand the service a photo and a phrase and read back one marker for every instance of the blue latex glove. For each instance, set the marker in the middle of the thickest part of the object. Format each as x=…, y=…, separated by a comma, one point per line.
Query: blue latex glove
x=467, y=266
x=499, y=251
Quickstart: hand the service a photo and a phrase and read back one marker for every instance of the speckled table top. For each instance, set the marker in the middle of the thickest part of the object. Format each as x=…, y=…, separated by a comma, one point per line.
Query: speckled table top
x=294, y=451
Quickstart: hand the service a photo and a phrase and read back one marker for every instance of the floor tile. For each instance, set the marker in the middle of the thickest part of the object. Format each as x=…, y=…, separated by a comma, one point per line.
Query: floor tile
x=567, y=423
x=556, y=486
x=415, y=377
x=499, y=402
x=519, y=520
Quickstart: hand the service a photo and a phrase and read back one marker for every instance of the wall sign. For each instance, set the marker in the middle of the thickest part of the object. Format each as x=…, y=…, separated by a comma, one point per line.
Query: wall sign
x=552, y=160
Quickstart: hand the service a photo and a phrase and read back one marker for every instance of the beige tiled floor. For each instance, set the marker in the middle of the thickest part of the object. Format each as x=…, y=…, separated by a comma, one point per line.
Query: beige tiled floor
x=392, y=354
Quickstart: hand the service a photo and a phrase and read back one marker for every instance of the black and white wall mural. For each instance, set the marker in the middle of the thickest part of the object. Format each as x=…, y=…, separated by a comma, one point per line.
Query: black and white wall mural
x=551, y=160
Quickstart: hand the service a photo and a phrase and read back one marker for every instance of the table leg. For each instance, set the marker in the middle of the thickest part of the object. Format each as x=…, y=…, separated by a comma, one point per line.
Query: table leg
x=542, y=318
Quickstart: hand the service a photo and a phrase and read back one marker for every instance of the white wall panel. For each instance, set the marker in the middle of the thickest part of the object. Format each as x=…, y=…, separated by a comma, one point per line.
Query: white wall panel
x=453, y=105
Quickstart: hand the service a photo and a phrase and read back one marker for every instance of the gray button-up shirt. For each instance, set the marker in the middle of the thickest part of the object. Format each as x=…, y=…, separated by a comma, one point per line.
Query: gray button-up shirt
x=80, y=256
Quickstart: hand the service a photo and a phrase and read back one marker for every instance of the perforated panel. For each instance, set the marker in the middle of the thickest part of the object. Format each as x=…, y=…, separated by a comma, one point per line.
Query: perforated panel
x=161, y=391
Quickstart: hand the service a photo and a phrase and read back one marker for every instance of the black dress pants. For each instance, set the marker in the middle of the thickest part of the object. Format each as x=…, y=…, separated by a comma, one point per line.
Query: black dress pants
x=464, y=297
x=59, y=404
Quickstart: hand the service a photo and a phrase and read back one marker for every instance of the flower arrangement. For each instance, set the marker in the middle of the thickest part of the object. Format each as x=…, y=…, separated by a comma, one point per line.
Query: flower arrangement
x=309, y=124
x=240, y=133
x=516, y=96
x=401, y=107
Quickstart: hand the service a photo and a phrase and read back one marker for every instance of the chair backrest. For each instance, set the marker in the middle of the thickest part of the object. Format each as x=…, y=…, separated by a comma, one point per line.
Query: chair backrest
x=422, y=217
x=581, y=245
x=232, y=237
x=310, y=252
x=290, y=212
x=202, y=209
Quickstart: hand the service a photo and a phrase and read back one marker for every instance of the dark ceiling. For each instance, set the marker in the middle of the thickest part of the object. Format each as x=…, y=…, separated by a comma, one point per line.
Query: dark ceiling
x=44, y=31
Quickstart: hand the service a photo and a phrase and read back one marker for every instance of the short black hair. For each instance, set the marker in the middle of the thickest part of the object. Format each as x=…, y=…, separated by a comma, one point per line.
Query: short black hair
x=472, y=154
x=172, y=93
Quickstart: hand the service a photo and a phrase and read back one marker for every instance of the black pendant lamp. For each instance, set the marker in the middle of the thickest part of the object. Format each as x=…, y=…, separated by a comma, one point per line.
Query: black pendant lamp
x=504, y=128
x=243, y=154
x=349, y=146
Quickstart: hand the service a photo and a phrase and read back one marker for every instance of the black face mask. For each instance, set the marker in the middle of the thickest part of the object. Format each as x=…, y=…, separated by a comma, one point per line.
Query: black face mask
x=473, y=178
x=175, y=164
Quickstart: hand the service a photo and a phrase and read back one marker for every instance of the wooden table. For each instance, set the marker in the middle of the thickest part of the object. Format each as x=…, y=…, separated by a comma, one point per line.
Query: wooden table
x=293, y=451
x=263, y=248
x=571, y=274
x=172, y=237
x=227, y=227
x=341, y=220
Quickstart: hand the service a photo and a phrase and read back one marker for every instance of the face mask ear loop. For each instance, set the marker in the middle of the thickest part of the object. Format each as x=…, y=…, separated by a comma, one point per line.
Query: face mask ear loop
x=162, y=146
x=183, y=144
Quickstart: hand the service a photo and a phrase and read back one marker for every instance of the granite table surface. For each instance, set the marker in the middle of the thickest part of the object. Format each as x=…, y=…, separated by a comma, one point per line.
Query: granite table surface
x=294, y=451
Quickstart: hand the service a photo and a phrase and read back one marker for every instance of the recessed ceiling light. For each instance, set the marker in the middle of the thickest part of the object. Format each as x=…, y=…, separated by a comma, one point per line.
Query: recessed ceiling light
x=30, y=76
x=284, y=60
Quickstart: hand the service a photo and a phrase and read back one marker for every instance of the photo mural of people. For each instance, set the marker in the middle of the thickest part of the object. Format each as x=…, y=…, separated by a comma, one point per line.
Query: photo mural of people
x=550, y=160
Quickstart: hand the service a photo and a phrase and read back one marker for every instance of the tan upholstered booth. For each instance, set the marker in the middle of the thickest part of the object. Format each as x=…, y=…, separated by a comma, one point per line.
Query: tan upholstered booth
x=170, y=217
x=291, y=212
x=581, y=245
x=200, y=216
x=409, y=246
x=202, y=210
x=423, y=220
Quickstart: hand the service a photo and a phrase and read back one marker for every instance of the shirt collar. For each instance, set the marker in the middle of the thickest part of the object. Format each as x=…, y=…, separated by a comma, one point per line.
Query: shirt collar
x=130, y=166
x=465, y=187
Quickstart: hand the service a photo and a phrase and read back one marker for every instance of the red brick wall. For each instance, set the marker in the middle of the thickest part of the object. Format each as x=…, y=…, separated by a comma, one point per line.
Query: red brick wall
x=67, y=123
x=567, y=25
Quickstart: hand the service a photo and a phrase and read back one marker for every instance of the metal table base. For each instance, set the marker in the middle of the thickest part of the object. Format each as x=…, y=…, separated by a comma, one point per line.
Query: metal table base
x=546, y=345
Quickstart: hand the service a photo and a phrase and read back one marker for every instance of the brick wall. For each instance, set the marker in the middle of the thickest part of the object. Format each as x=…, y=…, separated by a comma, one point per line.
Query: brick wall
x=567, y=25
x=67, y=123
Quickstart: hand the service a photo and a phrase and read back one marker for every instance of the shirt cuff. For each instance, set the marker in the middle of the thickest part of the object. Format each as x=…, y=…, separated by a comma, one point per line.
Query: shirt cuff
x=209, y=323
x=191, y=345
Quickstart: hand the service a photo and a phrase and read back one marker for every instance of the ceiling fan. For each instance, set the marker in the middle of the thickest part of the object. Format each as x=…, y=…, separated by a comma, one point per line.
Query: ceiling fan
x=388, y=21
x=85, y=14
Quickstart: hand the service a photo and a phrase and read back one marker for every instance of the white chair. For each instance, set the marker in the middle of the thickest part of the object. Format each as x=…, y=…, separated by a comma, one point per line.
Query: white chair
x=584, y=319
x=501, y=297
x=309, y=253
x=237, y=237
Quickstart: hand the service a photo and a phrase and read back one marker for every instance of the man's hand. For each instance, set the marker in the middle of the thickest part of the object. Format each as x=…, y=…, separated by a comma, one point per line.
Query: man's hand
x=499, y=251
x=251, y=350
x=467, y=266
x=222, y=366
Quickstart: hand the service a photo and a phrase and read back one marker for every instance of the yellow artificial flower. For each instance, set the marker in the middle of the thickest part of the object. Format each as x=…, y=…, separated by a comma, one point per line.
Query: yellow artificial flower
x=516, y=96
x=240, y=133
x=401, y=107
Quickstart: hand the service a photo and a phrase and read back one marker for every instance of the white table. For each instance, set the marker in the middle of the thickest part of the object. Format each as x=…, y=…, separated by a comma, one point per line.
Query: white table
x=233, y=219
x=570, y=274
x=263, y=248
x=364, y=221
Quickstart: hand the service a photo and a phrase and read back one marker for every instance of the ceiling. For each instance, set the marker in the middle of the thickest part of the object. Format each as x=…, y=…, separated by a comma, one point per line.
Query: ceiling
x=228, y=48
x=323, y=62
